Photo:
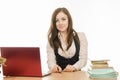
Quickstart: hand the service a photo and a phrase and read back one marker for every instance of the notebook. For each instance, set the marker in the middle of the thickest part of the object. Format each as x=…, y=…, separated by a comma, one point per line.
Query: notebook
x=22, y=61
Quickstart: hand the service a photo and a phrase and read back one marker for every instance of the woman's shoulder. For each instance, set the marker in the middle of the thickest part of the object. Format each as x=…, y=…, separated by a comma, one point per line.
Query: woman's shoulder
x=82, y=37
x=80, y=34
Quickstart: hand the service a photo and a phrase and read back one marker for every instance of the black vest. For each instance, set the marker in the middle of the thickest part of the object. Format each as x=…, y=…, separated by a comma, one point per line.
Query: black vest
x=63, y=62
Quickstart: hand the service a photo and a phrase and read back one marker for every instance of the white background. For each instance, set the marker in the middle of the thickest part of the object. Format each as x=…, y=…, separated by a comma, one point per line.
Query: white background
x=24, y=23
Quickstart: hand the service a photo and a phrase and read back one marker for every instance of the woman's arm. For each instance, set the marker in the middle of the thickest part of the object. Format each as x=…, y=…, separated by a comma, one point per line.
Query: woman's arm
x=83, y=52
x=51, y=57
x=53, y=67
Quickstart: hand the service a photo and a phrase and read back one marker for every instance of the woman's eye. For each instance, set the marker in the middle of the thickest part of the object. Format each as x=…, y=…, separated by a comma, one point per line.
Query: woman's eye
x=63, y=19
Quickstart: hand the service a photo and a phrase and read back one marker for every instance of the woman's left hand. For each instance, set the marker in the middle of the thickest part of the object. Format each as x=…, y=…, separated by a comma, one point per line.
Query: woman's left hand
x=69, y=68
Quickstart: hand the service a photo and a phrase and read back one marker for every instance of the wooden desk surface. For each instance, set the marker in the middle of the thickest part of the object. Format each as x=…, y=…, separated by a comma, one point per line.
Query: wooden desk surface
x=79, y=75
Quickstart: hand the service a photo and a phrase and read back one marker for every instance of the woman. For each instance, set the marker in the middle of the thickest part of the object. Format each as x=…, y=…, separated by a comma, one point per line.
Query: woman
x=66, y=49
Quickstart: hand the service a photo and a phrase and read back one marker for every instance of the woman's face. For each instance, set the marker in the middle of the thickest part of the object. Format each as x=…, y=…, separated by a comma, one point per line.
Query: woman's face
x=62, y=22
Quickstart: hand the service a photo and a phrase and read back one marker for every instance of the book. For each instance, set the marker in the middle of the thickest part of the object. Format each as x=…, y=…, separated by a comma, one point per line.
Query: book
x=103, y=73
x=103, y=78
x=2, y=61
x=99, y=66
x=99, y=63
x=1, y=72
x=103, y=61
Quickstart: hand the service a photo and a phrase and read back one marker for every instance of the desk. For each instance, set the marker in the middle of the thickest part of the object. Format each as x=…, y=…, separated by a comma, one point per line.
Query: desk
x=78, y=75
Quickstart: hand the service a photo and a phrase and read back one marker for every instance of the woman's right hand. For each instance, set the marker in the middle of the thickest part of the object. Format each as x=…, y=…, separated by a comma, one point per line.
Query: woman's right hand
x=56, y=69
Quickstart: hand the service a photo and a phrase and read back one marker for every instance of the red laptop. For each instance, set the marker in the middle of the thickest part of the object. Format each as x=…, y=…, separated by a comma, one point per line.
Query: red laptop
x=22, y=61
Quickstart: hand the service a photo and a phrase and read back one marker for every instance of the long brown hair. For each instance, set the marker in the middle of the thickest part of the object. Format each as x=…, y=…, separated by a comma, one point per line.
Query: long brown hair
x=53, y=32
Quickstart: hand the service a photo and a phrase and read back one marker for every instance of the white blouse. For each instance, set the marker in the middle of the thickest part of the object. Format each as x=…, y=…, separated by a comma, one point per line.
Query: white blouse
x=69, y=53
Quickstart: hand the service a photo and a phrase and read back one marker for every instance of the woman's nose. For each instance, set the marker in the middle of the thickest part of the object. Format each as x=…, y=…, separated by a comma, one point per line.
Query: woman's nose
x=61, y=22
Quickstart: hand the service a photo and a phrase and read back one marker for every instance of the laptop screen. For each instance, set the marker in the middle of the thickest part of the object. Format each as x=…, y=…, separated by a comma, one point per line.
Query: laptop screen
x=21, y=61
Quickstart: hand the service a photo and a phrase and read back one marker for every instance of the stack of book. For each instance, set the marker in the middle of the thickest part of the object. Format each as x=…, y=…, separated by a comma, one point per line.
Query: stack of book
x=100, y=70
x=2, y=62
x=1, y=73
x=95, y=64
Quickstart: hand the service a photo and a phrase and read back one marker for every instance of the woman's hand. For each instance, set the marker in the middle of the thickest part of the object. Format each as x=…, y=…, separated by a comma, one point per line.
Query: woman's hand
x=56, y=69
x=69, y=68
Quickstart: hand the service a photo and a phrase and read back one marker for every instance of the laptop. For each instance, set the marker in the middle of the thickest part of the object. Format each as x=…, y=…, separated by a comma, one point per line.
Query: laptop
x=22, y=61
